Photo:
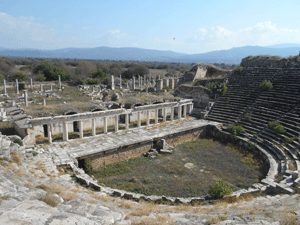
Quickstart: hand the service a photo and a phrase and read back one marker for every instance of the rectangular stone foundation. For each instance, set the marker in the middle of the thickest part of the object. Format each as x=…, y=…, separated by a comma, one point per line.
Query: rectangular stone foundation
x=136, y=150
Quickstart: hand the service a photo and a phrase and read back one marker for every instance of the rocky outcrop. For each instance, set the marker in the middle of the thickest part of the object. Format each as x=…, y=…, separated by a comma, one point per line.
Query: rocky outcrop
x=202, y=70
x=271, y=62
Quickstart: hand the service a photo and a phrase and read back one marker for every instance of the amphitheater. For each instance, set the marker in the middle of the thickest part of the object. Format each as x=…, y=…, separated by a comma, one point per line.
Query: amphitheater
x=34, y=175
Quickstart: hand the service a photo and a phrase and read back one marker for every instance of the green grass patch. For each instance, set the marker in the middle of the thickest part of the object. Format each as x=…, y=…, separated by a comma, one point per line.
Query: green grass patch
x=190, y=171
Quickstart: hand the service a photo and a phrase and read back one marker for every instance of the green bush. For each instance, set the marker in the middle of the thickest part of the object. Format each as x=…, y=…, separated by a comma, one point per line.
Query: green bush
x=237, y=130
x=92, y=81
x=211, y=86
x=265, y=85
x=239, y=69
x=40, y=77
x=277, y=127
x=51, y=72
x=20, y=76
x=167, y=88
x=289, y=140
x=219, y=190
x=18, y=141
x=224, y=90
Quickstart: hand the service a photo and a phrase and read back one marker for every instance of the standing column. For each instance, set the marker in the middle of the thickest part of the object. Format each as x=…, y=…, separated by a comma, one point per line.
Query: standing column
x=184, y=111
x=44, y=102
x=49, y=133
x=4, y=87
x=120, y=82
x=41, y=87
x=31, y=86
x=25, y=98
x=139, y=81
x=17, y=86
x=93, y=126
x=172, y=113
x=179, y=112
x=139, y=119
x=147, y=87
x=126, y=121
x=65, y=131
x=164, y=115
x=105, y=125
x=144, y=80
x=133, y=82
x=116, y=123
x=148, y=117
x=51, y=87
x=156, y=116
x=112, y=83
x=80, y=123
x=59, y=83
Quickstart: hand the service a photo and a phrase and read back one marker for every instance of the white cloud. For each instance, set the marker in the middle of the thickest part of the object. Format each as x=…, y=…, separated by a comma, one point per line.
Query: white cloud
x=263, y=33
x=17, y=32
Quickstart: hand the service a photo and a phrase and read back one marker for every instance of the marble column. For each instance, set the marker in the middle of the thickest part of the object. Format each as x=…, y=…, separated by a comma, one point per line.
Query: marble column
x=51, y=87
x=59, y=83
x=156, y=116
x=126, y=121
x=179, y=112
x=144, y=80
x=133, y=83
x=4, y=87
x=93, y=127
x=112, y=83
x=31, y=85
x=65, y=131
x=139, y=119
x=44, y=102
x=25, y=98
x=184, y=111
x=49, y=133
x=105, y=125
x=139, y=81
x=42, y=87
x=17, y=86
x=120, y=82
x=164, y=115
x=148, y=117
x=172, y=113
x=80, y=123
x=116, y=123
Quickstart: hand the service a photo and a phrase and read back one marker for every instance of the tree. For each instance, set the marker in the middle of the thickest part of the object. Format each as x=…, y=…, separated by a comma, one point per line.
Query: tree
x=51, y=72
x=20, y=76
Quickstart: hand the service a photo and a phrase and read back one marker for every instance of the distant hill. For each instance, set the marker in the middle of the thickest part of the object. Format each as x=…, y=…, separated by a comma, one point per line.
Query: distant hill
x=230, y=56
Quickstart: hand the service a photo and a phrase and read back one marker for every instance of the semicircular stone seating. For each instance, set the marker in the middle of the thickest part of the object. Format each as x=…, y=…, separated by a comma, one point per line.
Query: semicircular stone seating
x=246, y=105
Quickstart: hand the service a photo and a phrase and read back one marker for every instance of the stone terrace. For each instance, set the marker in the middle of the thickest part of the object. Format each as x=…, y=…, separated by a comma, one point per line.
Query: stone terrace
x=246, y=105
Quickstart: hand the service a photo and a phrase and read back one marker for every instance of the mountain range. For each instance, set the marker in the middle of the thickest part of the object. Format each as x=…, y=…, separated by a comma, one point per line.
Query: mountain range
x=230, y=56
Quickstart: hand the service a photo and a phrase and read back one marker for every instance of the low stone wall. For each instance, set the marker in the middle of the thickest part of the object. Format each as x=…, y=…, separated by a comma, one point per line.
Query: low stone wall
x=116, y=155
x=187, y=136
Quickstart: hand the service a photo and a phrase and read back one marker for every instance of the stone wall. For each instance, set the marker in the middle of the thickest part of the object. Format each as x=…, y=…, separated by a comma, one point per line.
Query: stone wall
x=117, y=155
x=195, y=92
x=270, y=62
x=136, y=150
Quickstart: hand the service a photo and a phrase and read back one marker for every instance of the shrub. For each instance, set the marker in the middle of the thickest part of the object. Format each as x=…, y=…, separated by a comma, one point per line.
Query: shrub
x=265, y=85
x=51, y=72
x=224, y=90
x=92, y=81
x=18, y=141
x=211, y=86
x=237, y=130
x=20, y=76
x=289, y=140
x=167, y=88
x=239, y=69
x=40, y=77
x=277, y=127
x=219, y=190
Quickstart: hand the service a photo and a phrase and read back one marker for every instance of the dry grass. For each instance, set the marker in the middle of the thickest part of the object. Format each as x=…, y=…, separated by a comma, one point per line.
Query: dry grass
x=62, y=191
x=160, y=220
x=288, y=219
x=20, y=172
x=50, y=200
x=16, y=158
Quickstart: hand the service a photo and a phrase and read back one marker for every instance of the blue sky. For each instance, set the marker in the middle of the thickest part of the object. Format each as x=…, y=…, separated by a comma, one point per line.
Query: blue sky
x=181, y=26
